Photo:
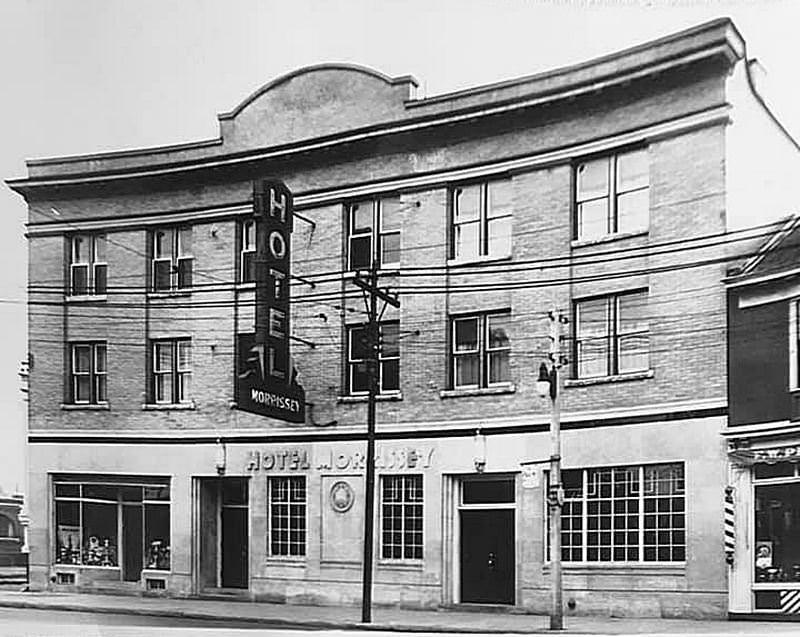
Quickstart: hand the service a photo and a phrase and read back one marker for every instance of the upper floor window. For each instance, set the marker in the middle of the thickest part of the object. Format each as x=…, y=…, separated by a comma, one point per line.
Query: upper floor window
x=612, y=335
x=247, y=251
x=171, y=370
x=172, y=258
x=88, y=268
x=480, y=350
x=481, y=220
x=612, y=195
x=388, y=358
x=88, y=373
x=373, y=233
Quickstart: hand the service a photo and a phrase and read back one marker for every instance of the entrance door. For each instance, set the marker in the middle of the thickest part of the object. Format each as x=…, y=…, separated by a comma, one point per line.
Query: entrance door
x=132, y=552
x=223, y=536
x=487, y=556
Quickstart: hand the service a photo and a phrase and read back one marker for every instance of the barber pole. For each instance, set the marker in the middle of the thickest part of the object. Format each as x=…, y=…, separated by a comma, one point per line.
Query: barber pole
x=730, y=525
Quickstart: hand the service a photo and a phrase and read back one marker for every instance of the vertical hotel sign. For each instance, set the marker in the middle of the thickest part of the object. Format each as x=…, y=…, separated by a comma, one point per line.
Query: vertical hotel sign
x=266, y=378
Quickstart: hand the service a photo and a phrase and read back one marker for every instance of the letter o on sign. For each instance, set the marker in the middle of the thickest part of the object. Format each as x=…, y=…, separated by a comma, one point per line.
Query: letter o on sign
x=277, y=244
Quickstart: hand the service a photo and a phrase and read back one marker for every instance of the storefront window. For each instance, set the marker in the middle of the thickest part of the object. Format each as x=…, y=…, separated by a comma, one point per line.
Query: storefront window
x=777, y=546
x=89, y=523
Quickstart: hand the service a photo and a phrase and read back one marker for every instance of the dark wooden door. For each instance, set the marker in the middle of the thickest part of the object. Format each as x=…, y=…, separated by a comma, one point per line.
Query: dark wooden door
x=234, y=547
x=132, y=549
x=487, y=556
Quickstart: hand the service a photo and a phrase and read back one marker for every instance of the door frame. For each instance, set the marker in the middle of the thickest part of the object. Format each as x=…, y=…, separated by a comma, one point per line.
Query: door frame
x=451, y=540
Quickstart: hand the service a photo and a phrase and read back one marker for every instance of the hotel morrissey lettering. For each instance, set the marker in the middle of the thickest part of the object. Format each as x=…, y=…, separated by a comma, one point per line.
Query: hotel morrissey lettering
x=266, y=378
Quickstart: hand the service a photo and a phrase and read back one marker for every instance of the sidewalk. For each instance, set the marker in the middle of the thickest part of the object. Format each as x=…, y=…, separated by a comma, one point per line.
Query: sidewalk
x=317, y=617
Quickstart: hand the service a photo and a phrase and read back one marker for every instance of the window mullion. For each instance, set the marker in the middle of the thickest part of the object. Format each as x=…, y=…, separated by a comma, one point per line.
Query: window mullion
x=584, y=513
x=613, y=222
x=613, y=307
x=641, y=513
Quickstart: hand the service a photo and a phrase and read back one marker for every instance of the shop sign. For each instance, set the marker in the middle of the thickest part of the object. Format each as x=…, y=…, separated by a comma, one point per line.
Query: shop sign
x=777, y=454
x=385, y=458
x=266, y=382
x=281, y=460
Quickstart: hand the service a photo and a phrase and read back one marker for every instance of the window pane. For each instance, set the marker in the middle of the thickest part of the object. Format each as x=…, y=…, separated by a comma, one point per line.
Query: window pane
x=466, y=334
x=390, y=335
x=390, y=375
x=100, y=358
x=358, y=343
x=391, y=210
x=161, y=275
x=83, y=358
x=68, y=538
x=361, y=252
x=498, y=367
x=80, y=252
x=99, y=534
x=466, y=203
x=501, y=198
x=163, y=388
x=163, y=357
x=633, y=170
x=83, y=386
x=593, y=317
x=162, y=244
x=466, y=240
x=633, y=211
x=632, y=313
x=156, y=534
x=100, y=276
x=184, y=242
x=80, y=279
x=185, y=273
x=390, y=248
x=593, y=219
x=499, y=236
x=592, y=179
x=249, y=235
x=361, y=217
x=359, y=380
x=467, y=370
x=184, y=355
x=248, y=267
x=100, y=389
x=184, y=387
x=593, y=358
x=100, y=248
x=498, y=330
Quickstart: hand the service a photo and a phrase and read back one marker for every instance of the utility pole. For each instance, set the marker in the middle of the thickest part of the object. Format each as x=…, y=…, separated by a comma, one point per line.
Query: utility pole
x=371, y=295
x=550, y=383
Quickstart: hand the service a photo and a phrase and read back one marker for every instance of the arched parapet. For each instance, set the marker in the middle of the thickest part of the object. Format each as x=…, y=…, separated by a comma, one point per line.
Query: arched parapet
x=315, y=101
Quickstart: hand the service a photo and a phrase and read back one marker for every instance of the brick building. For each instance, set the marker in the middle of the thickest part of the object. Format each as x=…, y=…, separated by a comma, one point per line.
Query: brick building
x=601, y=189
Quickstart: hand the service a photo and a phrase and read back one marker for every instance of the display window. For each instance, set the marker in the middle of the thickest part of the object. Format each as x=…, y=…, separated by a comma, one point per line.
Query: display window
x=97, y=524
x=777, y=523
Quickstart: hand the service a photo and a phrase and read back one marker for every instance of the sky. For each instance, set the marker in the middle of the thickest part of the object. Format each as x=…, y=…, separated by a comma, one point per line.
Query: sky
x=83, y=76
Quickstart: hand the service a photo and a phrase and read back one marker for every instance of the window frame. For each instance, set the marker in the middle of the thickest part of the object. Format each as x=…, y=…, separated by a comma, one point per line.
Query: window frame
x=613, y=335
x=351, y=361
x=483, y=350
x=376, y=233
x=176, y=256
x=247, y=250
x=98, y=378
x=407, y=510
x=614, y=192
x=485, y=218
x=641, y=528
x=179, y=389
x=91, y=262
x=285, y=546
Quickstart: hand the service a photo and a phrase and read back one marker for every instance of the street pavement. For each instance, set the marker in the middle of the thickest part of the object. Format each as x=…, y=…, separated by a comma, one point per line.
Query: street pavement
x=254, y=617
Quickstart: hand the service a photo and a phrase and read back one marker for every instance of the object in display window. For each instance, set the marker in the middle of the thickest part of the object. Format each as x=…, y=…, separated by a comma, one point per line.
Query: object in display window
x=777, y=547
x=158, y=556
x=68, y=549
x=97, y=552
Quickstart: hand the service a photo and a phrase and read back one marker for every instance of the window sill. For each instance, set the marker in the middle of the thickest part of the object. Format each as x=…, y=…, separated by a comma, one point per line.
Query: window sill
x=85, y=407
x=507, y=388
x=400, y=565
x=454, y=263
x=286, y=560
x=169, y=406
x=245, y=286
x=76, y=567
x=167, y=294
x=618, y=378
x=85, y=298
x=364, y=398
x=606, y=238
x=615, y=568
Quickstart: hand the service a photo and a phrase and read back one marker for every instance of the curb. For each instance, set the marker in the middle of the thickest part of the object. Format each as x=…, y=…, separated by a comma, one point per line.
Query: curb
x=317, y=624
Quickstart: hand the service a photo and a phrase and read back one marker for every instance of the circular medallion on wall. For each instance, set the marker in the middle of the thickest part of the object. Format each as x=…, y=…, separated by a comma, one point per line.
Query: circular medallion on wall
x=342, y=497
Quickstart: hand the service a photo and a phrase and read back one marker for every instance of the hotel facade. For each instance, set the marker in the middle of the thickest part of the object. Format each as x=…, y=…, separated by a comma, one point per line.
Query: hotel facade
x=610, y=192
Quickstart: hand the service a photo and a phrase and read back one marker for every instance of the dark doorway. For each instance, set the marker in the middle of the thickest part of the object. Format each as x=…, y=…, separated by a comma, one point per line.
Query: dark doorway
x=487, y=556
x=223, y=533
x=132, y=550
